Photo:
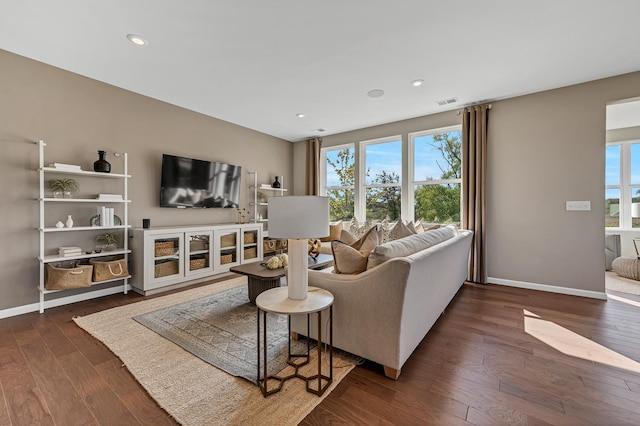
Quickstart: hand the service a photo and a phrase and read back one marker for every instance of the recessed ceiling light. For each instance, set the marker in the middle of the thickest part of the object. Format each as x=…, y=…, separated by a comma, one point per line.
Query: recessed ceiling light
x=417, y=83
x=137, y=40
x=320, y=130
x=300, y=115
x=375, y=93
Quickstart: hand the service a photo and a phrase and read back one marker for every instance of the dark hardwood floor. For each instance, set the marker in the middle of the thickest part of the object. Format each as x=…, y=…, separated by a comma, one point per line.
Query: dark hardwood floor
x=498, y=355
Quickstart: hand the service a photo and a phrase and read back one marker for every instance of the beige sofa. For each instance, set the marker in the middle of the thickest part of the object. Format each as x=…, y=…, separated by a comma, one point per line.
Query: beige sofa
x=383, y=313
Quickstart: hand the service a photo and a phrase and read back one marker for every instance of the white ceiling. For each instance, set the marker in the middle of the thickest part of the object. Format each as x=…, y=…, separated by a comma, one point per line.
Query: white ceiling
x=257, y=63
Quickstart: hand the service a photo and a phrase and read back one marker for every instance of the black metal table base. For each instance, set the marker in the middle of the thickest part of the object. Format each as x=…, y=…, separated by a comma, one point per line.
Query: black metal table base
x=264, y=378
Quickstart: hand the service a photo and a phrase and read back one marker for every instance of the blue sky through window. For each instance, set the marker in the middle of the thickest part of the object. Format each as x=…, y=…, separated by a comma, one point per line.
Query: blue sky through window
x=385, y=156
x=612, y=161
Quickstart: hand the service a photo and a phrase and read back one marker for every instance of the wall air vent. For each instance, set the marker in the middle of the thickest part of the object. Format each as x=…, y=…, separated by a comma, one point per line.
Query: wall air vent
x=447, y=101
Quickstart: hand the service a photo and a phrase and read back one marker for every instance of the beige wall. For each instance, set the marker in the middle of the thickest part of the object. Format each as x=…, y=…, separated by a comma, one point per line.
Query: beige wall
x=77, y=116
x=544, y=149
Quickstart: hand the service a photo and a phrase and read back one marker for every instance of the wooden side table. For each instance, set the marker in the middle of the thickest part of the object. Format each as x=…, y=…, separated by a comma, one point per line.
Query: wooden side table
x=276, y=301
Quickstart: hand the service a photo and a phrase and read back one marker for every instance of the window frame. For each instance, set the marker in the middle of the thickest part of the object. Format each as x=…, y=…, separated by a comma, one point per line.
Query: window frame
x=323, y=171
x=625, y=186
x=361, y=178
x=407, y=172
x=411, y=168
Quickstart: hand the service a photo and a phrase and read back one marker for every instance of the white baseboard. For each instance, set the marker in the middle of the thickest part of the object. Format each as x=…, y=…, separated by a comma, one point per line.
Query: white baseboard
x=35, y=307
x=549, y=288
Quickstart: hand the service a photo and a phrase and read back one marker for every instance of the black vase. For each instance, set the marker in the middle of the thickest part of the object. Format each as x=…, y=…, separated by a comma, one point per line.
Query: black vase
x=276, y=183
x=102, y=165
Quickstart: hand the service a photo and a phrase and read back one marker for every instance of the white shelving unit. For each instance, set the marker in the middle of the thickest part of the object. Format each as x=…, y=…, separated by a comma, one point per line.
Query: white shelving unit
x=47, y=232
x=260, y=207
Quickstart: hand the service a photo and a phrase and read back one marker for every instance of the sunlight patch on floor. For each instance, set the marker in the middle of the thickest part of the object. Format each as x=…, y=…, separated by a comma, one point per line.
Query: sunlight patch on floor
x=623, y=300
x=573, y=344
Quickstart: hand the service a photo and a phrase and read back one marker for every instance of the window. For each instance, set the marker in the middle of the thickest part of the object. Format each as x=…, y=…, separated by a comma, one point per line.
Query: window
x=382, y=178
x=622, y=185
x=338, y=179
x=436, y=175
x=392, y=178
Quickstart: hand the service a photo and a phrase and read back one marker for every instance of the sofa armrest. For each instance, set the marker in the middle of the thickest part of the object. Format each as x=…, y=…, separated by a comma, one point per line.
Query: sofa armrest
x=367, y=309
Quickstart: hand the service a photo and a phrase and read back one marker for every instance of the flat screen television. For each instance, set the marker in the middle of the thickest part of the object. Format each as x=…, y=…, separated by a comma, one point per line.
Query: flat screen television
x=187, y=182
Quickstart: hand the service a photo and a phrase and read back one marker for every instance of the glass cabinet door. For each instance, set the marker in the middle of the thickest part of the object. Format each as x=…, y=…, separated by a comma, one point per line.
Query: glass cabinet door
x=228, y=248
x=167, y=256
x=251, y=251
x=198, y=253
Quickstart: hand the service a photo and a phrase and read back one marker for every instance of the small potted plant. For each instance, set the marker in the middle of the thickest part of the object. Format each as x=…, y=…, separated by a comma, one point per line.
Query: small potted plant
x=63, y=188
x=110, y=240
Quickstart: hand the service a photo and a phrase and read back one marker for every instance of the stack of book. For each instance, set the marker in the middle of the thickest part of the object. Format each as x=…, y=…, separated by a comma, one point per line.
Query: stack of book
x=110, y=197
x=69, y=251
x=265, y=185
x=106, y=216
x=62, y=166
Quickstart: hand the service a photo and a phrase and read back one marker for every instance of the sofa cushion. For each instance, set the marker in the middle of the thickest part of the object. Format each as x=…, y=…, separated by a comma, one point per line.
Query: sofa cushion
x=415, y=228
x=410, y=245
x=352, y=258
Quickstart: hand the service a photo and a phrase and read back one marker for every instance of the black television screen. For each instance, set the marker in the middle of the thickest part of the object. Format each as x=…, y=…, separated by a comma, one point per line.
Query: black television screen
x=187, y=182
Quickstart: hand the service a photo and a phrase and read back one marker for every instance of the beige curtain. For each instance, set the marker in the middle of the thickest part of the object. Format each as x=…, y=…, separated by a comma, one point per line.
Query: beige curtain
x=312, y=177
x=474, y=179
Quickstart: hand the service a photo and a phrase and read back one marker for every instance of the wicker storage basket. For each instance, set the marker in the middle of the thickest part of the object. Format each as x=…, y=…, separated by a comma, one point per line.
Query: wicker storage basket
x=268, y=245
x=226, y=258
x=166, y=268
x=197, y=264
x=249, y=237
x=281, y=244
x=228, y=240
x=104, y=270
x=250, y=253
x=163, y=248
x=196, y=245
x=61, y=278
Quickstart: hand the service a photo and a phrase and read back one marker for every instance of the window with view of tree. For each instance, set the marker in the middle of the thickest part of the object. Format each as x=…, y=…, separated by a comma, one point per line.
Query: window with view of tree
x=437, y=175
x=339, y=170
x=382, y=179
x=377, y=191
x=622, y=185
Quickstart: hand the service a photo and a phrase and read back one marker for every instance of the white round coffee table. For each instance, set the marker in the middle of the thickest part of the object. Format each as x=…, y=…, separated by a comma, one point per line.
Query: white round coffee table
x=276, y=300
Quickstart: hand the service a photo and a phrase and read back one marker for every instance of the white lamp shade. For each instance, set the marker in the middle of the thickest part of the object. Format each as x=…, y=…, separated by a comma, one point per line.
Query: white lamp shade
x=298, y=217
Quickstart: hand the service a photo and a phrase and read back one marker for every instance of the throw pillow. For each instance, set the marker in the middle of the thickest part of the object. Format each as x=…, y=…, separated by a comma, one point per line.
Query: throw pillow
x=352, y=258
x=346, y=259
x=399, y=230
x=334, y=232
x=347, y=237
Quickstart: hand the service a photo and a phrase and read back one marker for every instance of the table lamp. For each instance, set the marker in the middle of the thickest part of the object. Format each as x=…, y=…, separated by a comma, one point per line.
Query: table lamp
x=298, y=218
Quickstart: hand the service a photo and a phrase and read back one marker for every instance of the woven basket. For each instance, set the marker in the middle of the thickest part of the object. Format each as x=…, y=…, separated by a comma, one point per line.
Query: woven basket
x=104, y=270
x=61, y=278
x=268, y=245
x=249, y=237
x=163, y=248
x=166, y=268
x=226, y=258
x=250, y=253
x=197, y=264
x=228, y=240
x=196, y=245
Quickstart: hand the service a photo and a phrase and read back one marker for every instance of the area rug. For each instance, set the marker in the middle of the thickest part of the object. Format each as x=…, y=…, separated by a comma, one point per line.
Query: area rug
x=615, y=282
x=191, y=390
x=221, y=330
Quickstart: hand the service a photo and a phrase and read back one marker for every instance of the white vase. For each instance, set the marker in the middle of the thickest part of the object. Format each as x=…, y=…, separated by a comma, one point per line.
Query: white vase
x=69, y=222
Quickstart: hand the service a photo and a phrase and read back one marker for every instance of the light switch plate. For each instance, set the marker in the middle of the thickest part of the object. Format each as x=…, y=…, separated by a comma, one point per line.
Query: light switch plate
x=580, y=206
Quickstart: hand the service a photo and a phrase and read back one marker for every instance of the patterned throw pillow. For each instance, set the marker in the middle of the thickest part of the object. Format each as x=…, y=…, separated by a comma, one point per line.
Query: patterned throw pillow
x=358, y=229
